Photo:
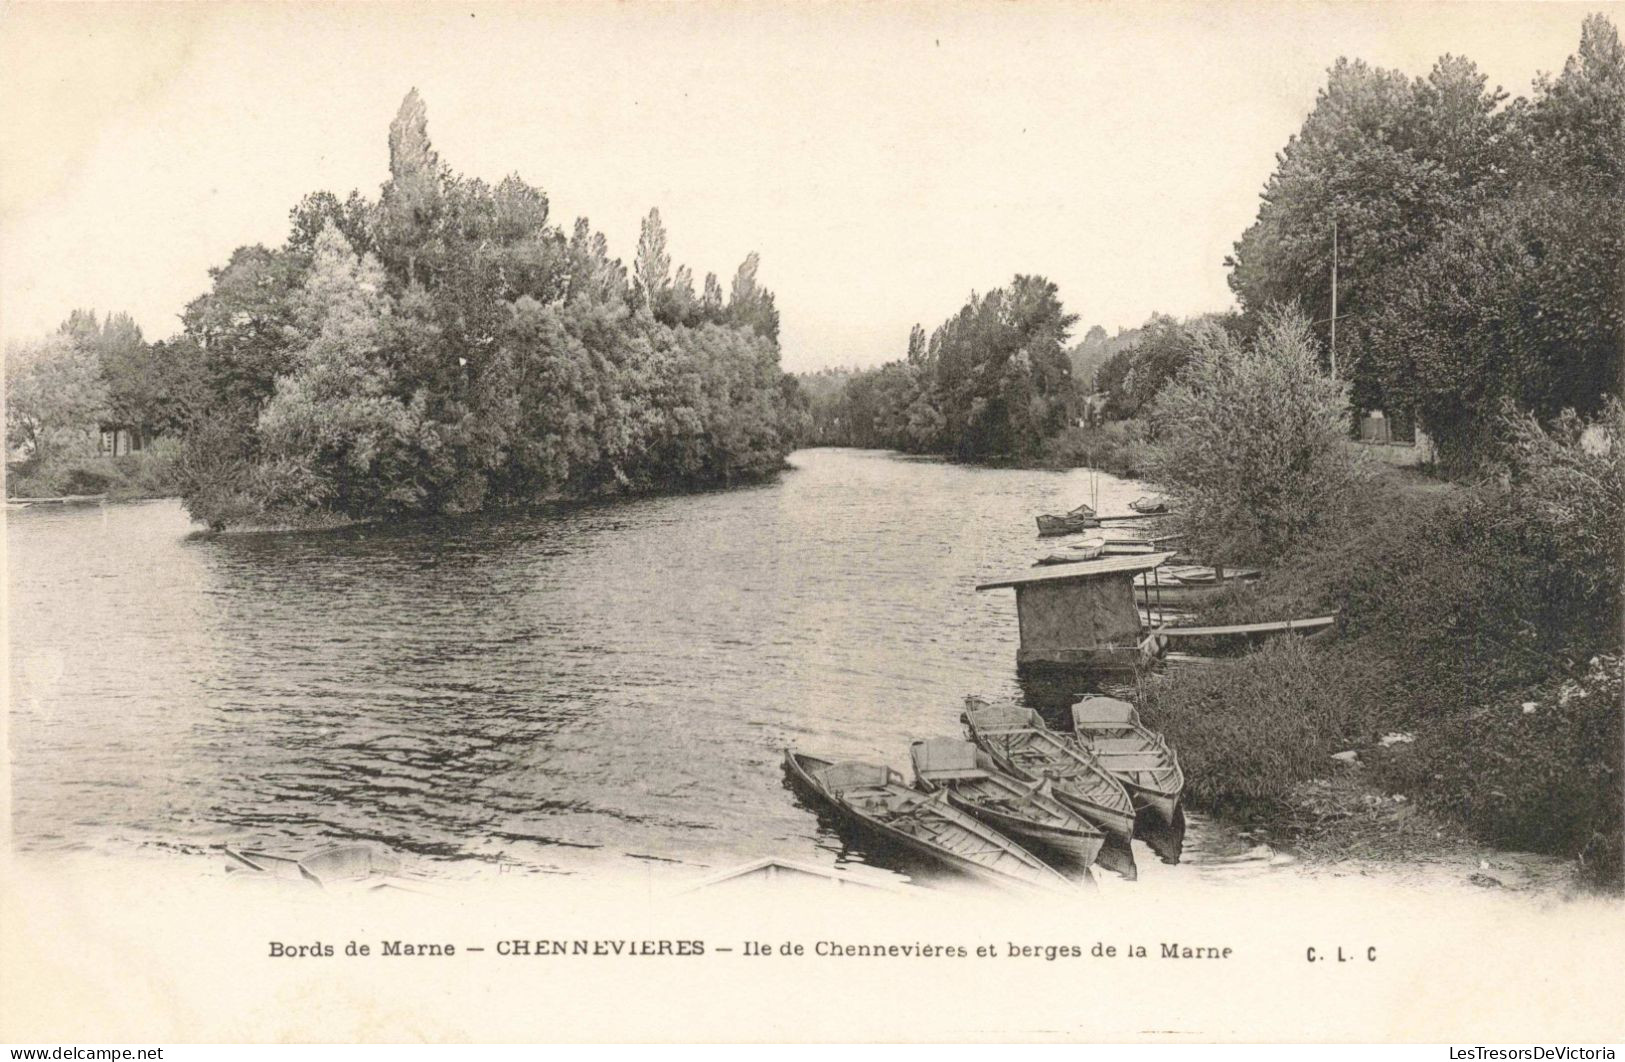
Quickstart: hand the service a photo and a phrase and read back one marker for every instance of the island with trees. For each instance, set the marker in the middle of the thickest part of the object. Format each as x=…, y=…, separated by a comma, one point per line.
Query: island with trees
x=442, y=348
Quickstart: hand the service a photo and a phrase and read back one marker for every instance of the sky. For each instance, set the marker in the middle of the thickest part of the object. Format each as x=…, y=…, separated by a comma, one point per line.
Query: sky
x=886, y=159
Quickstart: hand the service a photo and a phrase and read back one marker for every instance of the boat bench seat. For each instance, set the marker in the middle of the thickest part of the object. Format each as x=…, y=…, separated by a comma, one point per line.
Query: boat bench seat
x=944, y=759
x=1134, y=744
x=851, y=775
x=1132, y=762
x=1102, y=710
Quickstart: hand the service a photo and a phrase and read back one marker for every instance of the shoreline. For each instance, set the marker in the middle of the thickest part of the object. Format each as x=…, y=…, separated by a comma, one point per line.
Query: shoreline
x=318, y=522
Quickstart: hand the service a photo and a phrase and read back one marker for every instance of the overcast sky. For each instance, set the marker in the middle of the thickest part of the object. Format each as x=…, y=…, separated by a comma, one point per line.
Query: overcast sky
x=885, y=159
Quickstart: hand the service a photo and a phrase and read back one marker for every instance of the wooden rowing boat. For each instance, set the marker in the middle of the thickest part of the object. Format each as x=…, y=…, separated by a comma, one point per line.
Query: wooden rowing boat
x=1088, y=549
x=878, y=799
x=1188, y=582
x=1027, y=811
x=1080, y=519
x=1111, y=730
x=1020, y=744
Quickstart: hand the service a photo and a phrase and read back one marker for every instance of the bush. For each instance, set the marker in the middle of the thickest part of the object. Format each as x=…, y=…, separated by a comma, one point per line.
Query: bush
x=1248, y=730
x=1458, y=606
x=1539, y=772
x=152, y=473
x=1118, y=448
x=82, y=480
x=1252, y=443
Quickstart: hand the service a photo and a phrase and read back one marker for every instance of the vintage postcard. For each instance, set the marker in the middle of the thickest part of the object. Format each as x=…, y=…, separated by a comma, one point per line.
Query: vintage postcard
x=813, y=522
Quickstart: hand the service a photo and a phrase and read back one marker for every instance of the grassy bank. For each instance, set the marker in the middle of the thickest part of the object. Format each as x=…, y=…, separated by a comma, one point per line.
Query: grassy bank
x=1475, y=672
x=1118, y=448
x=148, y=474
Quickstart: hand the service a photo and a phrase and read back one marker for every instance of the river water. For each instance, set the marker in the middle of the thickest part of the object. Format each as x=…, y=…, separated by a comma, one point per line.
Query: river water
x=584, y=688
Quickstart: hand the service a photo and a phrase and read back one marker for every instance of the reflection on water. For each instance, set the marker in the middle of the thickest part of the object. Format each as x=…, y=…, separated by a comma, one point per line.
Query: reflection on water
x=559, y=691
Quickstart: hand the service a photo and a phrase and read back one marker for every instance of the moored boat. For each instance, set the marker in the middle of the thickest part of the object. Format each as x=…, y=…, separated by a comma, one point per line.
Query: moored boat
x=1021, y=744
x=1140, y=758
x=878, y=799
x=1080, y=519
x=1027, y=811
x=1184, y=582
x=1088, y=549
x=1148, y=505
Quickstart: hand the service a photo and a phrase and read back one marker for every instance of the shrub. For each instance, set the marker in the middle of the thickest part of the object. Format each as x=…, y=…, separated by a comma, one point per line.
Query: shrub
x=83, y=480
x=1118, y=448
x=1248, y=730
x=1252, y=443
x=1540, y=771
x=1458, y=606
x=153, y=472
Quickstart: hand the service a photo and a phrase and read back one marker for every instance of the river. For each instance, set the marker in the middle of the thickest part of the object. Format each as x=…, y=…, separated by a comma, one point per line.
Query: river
x=579, y=689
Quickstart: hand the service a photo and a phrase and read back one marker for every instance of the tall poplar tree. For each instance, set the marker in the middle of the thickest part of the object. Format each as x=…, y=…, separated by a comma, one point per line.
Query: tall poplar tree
x=413, y=199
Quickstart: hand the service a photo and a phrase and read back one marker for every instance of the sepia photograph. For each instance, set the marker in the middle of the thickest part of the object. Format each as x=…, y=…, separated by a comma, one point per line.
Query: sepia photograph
x=812, y=522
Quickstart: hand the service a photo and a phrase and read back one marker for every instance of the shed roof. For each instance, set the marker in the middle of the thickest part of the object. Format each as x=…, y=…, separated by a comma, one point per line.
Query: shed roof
x=1067, y=573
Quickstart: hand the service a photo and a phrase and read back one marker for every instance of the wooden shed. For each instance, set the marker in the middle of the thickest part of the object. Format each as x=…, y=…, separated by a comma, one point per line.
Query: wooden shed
x=1080, y=614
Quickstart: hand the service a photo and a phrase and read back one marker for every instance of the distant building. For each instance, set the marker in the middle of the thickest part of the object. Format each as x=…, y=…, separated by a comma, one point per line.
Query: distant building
x=1394, y=438
x=120, y=439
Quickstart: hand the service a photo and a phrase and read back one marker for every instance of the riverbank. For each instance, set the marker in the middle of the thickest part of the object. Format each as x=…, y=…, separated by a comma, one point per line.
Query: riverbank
x=1117, y=448
x=141, y=476
x=1469, y=696
x=284, y=521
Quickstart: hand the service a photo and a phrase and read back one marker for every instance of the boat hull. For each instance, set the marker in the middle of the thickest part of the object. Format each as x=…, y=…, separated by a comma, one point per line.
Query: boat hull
x=1075, y=845
x=1049, y=526
x=1110, y=730
x=1111, y=820
x=1160, y=805
x=800, y=768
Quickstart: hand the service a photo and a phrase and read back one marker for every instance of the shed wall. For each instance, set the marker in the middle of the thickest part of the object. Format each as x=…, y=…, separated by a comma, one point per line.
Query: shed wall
x=1078, y=615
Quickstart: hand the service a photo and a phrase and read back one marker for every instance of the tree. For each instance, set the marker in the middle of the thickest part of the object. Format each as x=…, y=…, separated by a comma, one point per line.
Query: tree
x=411, y=203
x=1252, y=445
x=334, y=433
x=916, y=345
x=711, y=301
x=1522, y=304
x=313, y=213
x=749, y=304
x=1576, y=125
x=651, y=269
x=994, y=379
x=242, y=324
x=1391, y=162
x=682, y=305
x=55, y=398
x=490, y=360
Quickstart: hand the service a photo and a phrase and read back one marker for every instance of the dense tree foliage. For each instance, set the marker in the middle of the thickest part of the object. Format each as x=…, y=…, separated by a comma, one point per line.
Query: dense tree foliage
x=1481, y=242
x=446, y=348
x=993, y=380
x=55, y=397
x=1154, y=353
x=1252, y=445
x=92, y=374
